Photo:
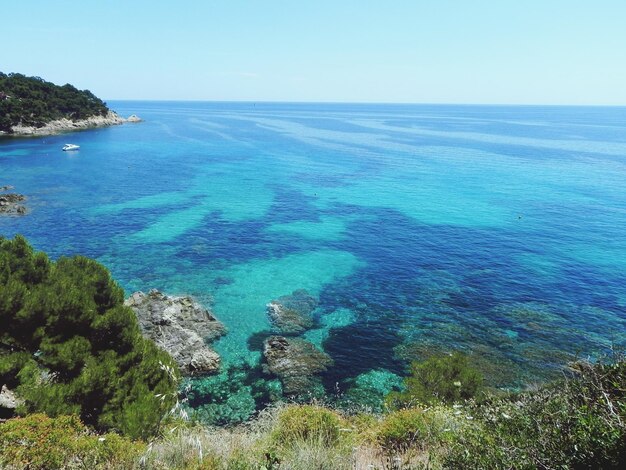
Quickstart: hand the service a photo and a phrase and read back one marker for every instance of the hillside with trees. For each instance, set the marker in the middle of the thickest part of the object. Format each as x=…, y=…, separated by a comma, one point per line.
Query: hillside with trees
x=32, y=101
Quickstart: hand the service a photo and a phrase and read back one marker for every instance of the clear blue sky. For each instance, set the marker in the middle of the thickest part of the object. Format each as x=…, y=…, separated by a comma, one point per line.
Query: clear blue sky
x=428, y=51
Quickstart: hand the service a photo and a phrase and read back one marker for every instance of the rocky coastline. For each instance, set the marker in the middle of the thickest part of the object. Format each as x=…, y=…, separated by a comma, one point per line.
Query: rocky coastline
x=180, y=326
x=66, y=125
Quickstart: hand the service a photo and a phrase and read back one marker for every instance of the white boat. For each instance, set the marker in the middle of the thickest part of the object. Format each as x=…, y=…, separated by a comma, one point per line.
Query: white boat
x=67, y=147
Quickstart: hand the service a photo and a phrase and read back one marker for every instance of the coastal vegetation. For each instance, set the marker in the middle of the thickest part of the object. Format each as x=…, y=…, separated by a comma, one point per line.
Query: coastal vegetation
x=93, y=393
x=439, y=379
x=69, y=346
x=34, y=102
x=578, y=422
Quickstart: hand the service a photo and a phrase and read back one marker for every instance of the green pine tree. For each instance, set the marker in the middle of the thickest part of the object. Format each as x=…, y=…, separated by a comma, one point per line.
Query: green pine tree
x=69, y=345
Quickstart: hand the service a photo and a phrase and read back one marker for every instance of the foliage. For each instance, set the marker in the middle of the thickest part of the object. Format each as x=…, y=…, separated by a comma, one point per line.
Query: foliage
x=40, y=442
x=198, y=447
x=302, y=423
x=31, y=101
x=311, y=436
x=404, y=428
x=439, y=379
x=577, y=423
x=415, y=428
x=70, y=346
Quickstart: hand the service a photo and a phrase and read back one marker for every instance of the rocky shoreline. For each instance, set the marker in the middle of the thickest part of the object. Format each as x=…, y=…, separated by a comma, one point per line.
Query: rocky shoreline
x=66, y=125
x=180, y=326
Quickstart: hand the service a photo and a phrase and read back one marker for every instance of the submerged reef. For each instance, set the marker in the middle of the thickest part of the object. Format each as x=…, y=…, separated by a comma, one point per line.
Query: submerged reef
x=291, y=314
x=367, y=391
x=231, y=396
x=10, y=202
x=180, y=326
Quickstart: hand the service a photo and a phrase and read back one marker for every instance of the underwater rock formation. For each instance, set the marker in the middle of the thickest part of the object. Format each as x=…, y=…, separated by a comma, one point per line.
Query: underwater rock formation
x=10, y=203
x=295, y=362
x=368, y=390
x=290, y=314
x=180, y=326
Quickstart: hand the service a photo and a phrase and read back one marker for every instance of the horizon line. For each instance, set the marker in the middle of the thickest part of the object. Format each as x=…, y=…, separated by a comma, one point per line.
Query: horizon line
x=399, y=103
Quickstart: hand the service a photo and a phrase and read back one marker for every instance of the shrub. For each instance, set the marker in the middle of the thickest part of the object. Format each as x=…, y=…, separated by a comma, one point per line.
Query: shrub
x=577, y=423
x=302, y=423
x=417, y=428
x=40, y=442
x=403, y=429
x=70, y=346
x=440, y=379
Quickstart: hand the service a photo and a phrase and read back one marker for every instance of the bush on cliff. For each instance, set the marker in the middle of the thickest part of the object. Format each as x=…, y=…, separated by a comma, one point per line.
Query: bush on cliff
x=574, y=423
x=40, y=442
x=307, y=423
x=69, y=346
x=440, y=379
x=578, y=423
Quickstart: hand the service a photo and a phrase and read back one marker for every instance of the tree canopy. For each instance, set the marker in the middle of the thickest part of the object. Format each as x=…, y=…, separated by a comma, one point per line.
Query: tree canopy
x=68, y=345
x=32, y=101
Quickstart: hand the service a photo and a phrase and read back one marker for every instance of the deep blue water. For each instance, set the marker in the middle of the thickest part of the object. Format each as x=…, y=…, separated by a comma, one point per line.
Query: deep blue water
x=497, y=230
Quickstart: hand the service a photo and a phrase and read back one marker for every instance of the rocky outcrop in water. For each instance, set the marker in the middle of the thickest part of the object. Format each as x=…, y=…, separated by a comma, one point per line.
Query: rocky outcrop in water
x=10, y=203
x=291, y=314
x=180, y=326
x=133, y=118
x=295, y=362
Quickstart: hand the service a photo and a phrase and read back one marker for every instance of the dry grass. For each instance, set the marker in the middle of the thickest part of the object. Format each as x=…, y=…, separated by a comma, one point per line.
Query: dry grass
x=199, y=447
x=293, y=437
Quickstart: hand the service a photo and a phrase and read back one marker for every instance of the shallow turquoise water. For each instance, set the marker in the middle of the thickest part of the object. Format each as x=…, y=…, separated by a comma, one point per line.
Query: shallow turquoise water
x=497, y=230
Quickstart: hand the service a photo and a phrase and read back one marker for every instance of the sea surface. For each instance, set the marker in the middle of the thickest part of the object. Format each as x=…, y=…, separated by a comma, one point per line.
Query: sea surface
x=495, y=230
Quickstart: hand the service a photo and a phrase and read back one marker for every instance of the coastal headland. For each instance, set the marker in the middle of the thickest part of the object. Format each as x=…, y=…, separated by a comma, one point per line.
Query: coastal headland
x=31, y=106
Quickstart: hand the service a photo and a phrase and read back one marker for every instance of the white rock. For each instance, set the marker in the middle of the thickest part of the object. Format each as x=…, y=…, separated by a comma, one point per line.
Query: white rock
x=8, y=399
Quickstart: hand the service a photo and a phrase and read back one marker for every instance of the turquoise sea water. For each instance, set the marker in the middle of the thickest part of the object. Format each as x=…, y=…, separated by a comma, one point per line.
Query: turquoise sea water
x=500, y=231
